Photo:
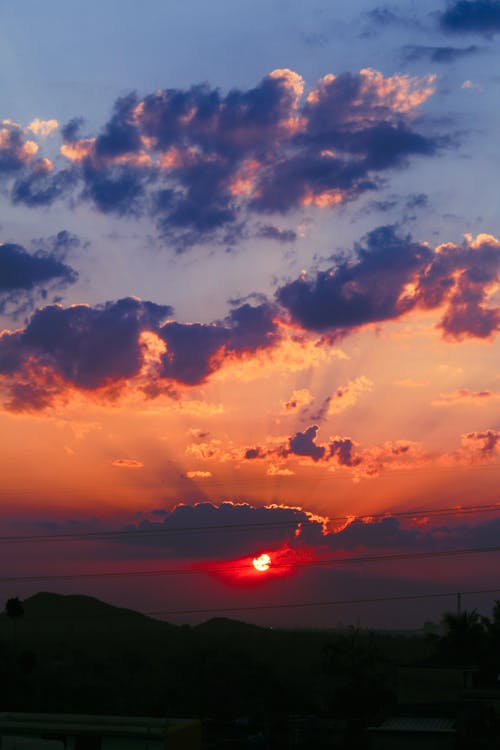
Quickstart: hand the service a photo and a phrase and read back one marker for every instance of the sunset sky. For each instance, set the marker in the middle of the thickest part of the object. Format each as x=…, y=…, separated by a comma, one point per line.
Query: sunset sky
x=250, y=277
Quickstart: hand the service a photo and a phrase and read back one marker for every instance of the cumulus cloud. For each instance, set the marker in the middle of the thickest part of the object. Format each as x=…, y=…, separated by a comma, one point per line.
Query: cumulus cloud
x=212, y=532
x=43, y=128
x=390, y=276
x=340, y=451
x=236, y=530
x=91, y=348
x=103, y=347
x=482, y=444
x=198, y=162
x=16, y=151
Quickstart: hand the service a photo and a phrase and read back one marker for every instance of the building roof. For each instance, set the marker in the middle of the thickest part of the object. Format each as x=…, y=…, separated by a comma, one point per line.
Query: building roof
x=137, y=726
x=416, y=724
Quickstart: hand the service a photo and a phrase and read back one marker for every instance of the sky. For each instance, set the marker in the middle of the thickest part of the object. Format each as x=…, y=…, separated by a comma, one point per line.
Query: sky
x=249, y=302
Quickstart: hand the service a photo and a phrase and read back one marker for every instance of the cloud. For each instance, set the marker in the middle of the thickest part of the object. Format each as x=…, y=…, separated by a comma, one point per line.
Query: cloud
x=79, y=346
x=271, y=232
x=41, y=186
x=196, y=350
x=464, y=395
x=15, y=150
x=442, y=55
x=212, y=534
x=20, y=270
x=127, y=463
x=471, y=16
x=22, y=274
x=340, y=451
x=60, y=245
x=299, y=399
x=390, y=276
x=198, y=162
x=347, y=395
x=102, y=347
x=304, y=444
x=234, y=531
x=43, y=128
x=483, y=444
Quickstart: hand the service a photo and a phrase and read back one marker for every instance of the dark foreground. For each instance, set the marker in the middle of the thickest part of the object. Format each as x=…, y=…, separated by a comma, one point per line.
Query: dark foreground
x=249, y=686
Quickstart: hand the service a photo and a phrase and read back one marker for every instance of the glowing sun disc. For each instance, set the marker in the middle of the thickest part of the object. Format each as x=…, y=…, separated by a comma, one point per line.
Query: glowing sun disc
x=262, y=563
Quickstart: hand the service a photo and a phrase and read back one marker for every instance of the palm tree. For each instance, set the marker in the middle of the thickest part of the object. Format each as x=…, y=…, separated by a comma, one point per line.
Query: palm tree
x=465, y=636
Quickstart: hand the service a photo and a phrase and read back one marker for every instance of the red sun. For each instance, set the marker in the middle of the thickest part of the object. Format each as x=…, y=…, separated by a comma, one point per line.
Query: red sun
x=262, y=563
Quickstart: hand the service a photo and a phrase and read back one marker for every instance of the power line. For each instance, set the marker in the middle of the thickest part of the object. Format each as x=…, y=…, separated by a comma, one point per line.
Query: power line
x=284, y=605
x=134, y=533
x=332, y=602
x=232, y=568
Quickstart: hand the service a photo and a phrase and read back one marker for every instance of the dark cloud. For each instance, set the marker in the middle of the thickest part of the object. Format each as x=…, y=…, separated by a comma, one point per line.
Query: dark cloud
x=355, y=293
x=270, y=232
x=22, y=271
x=24, y=277
x=198, y=162
x=339, y=450
x=41, y=186
x=100, y=347
x=115, y=189
x=80, y=346
x=471, y=16
x=70, y=132
x=304, y=444
x=373, y=286
x=410, y=202
x=415, y=53
x=234, y=530
x=343, y=450
x=272, y=526
x=192, y=348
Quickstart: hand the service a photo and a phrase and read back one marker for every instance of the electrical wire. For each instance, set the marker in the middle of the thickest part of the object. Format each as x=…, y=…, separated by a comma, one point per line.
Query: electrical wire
x=139, y=532
x=233, y=568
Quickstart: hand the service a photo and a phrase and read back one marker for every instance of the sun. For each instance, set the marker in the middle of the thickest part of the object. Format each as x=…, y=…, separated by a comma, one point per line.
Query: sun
x=262, y=563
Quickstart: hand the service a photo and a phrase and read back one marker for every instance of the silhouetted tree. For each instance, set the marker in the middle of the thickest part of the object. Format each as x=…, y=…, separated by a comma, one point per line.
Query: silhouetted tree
x=14, y=610
x=466, y=635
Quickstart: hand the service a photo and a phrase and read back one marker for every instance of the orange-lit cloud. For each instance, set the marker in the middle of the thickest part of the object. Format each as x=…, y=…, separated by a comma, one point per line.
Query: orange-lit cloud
x=297, y=401
x=127, y=463
x=347, y=395
x=466, y=396
x=43, y=128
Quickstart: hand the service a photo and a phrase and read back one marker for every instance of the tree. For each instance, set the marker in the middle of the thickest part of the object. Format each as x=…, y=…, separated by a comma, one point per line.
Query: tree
x=465, y=636
x=14, y=610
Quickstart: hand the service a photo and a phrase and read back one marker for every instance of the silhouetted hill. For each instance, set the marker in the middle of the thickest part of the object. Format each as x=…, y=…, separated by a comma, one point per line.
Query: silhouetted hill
x=76, y=607
x=227, y=626
x=47, y=614
x=72, y=653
